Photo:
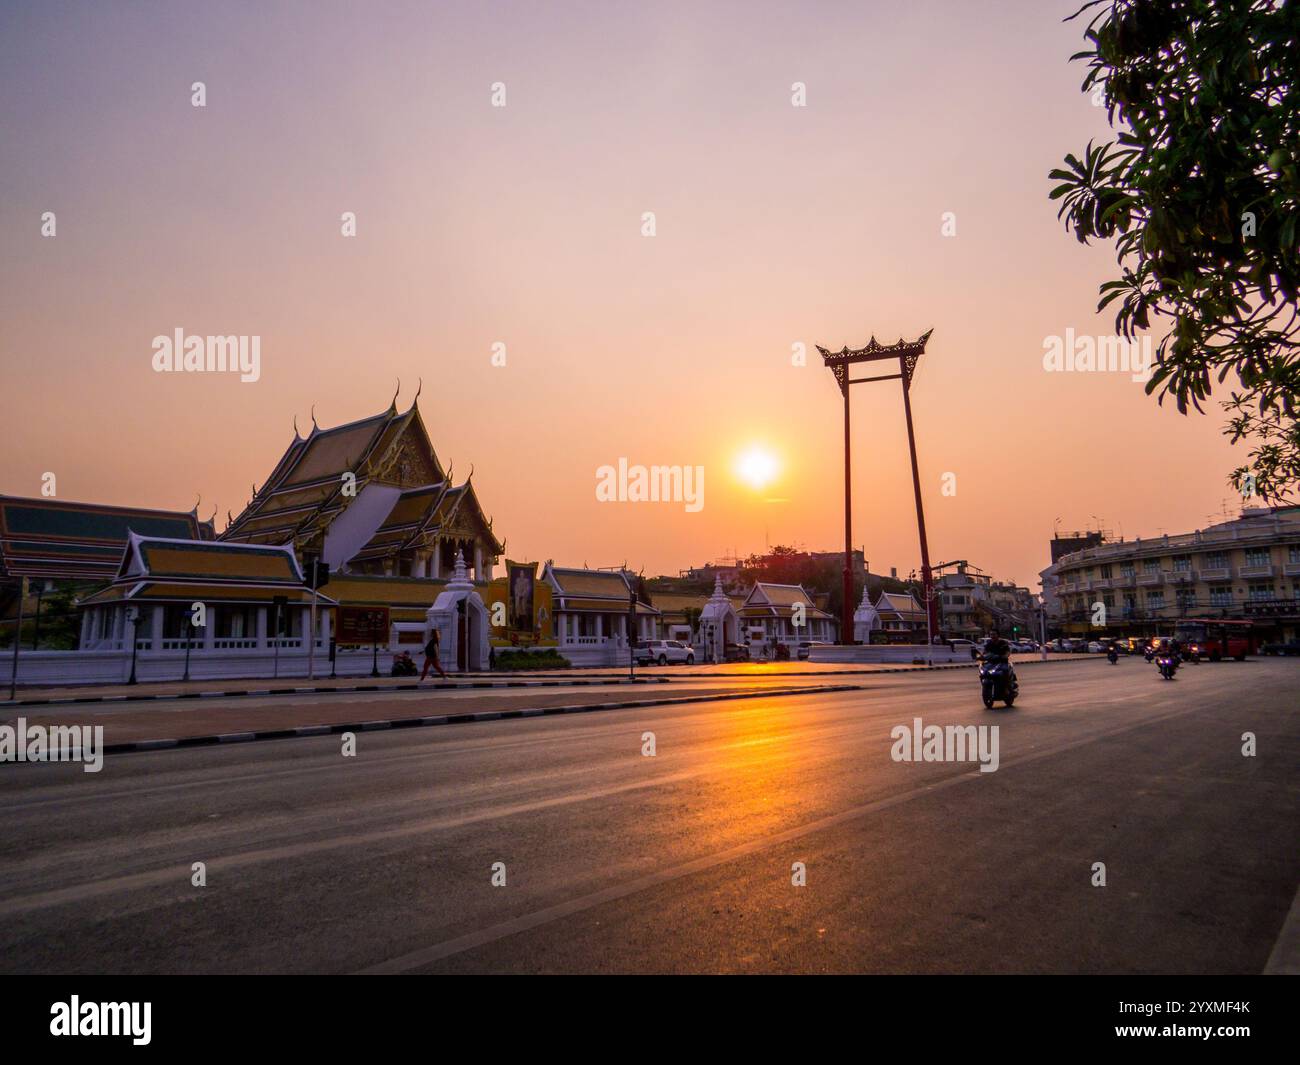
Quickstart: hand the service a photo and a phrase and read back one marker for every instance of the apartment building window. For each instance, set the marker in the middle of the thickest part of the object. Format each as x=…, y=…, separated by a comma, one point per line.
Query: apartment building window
x=1126, y=569
x=1130, y=605
x=1186, y=598
x=1105, y=571
x=1109, y=599
x=1216, y=560
x=1293, y=553
x=1151, y=565
x=1182, y=563
x=1221, y=595
x=1155, y=600
x=1258, y=556
x=1259, y=592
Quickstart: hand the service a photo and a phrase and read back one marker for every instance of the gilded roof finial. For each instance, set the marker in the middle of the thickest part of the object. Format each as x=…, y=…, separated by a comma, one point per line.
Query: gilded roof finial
x=392, y=405
x=419, y=385
x=296, y=435
x=195, y=509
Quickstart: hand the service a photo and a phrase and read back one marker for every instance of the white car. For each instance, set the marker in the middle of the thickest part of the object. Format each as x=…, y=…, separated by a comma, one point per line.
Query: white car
x=1095, y=648
x=664, y=652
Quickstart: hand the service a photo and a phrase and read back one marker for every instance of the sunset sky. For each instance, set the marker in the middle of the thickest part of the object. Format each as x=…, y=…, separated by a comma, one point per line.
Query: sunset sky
x=776, y=225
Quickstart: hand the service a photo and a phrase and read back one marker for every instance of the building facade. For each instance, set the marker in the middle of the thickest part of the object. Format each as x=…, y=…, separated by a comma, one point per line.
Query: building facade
x=1247, y=569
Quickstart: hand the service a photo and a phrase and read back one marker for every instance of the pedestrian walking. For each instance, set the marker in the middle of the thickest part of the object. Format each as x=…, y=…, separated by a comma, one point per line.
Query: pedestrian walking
x=431, y=655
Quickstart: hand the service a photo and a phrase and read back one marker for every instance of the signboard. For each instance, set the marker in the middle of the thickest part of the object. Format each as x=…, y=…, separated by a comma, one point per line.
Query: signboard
x=363, y=624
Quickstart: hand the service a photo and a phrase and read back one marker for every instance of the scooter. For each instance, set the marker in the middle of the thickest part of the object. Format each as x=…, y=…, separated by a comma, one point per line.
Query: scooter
x=1149, y=653
x=1112, y=656
x=1168, y=664
x=998, y=681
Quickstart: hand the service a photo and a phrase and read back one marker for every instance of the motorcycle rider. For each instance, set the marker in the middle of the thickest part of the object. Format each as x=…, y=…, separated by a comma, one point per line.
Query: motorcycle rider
x=996, y=647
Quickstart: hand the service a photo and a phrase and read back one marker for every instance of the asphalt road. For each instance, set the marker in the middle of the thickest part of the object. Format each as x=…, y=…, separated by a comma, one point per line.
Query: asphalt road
x=682, y=862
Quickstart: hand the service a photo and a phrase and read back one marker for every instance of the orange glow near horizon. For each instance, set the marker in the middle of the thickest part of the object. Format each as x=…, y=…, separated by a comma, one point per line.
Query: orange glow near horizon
x=499, y=255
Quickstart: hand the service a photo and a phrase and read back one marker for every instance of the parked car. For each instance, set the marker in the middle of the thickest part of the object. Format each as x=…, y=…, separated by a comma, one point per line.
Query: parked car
x=1095, y=647
x=806, y=646
x=664, y=652
x=735, y=652
x=1292, y=648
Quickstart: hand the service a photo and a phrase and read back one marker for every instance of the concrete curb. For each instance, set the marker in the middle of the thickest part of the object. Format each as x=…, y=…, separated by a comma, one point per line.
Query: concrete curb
x=467, y=685
x=216, y=739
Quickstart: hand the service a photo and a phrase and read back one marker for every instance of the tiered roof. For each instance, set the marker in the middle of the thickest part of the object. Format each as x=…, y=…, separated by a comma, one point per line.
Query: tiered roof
x=80, y=541
x=900, y=605
x=779, y=600
x=158, y=568
x=590, y=589
x=306, y=490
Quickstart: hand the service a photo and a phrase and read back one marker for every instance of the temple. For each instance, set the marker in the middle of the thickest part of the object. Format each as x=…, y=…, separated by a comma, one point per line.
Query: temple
x=370, y=498
x=160, y=595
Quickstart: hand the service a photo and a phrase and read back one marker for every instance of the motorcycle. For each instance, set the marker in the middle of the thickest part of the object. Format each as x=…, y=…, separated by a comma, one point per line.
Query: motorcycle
x=1149, y=653
x=998, y=681
x=1168, y=664
x=1112, y=656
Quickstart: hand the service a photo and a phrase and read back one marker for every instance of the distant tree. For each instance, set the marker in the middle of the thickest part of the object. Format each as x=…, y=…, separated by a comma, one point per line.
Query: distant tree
x=1200, y=190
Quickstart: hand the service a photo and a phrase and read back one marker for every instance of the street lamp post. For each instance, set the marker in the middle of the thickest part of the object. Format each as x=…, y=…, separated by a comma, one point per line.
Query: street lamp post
x=18, y=637
x=133, y=619
x=907, y=352
x=36, y=634
x=189, y=639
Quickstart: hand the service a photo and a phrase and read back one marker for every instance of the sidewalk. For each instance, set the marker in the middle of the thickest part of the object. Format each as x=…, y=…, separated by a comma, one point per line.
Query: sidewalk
x=140, y=727
x=260, y=686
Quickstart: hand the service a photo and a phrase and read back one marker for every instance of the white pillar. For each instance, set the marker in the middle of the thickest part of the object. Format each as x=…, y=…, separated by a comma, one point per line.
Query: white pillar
x=210, y=625
x=262, y=612
x=421, y=565
x=487, y=570
x=622, y=629
x=600, y=624
x=88, y=627
x=435, y=568
x=305, y=627
x=156, y=629
x=478, y=562
x=119, y=624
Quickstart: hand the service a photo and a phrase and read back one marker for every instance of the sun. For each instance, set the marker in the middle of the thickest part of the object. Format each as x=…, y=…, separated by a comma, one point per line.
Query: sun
x=757, y=467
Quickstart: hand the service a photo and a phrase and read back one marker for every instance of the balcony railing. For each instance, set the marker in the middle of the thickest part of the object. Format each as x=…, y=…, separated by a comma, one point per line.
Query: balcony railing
x=1150, y=578
x=1256, y=571
x=1182, y=576
x=1291, y=569
x=1217, y=573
